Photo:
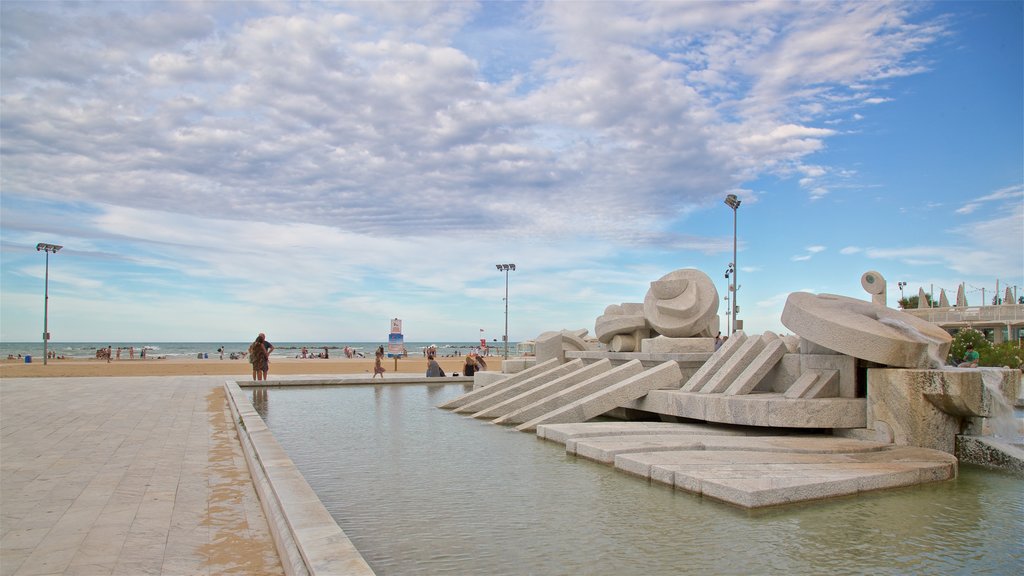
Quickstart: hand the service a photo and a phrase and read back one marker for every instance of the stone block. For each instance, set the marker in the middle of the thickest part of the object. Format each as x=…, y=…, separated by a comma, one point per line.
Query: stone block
x=666, y=345
x=517, y=365
x=758, y=368
x=815, y=384
x=782, y=376
x=486, y=378
x=714, y=363
x=896, y=401
x=845, y=365
x=728, y=373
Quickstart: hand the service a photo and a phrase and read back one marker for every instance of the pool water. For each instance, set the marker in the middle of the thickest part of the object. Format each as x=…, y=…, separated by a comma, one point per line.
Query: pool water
x=420, y=490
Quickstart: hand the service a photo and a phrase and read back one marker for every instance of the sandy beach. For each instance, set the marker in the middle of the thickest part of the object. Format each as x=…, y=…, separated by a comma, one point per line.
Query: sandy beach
x=226, y=367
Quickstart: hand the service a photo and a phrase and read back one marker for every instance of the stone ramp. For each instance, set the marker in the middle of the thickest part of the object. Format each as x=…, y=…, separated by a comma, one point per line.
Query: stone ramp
x=666, y=375
x=505, y=392
x=753, y=471
x=533, y=394
x=512, y=380
x=560, y=398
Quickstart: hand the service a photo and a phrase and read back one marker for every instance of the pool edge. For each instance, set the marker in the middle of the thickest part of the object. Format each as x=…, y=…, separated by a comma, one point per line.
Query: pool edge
x=308, y=539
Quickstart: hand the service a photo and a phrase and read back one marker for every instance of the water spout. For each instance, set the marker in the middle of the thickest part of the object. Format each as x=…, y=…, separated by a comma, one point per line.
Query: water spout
x=934, y=344
x=1002, y=422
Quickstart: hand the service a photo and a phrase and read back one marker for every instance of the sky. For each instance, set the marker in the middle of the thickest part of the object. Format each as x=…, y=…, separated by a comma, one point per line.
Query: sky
x=314, y=169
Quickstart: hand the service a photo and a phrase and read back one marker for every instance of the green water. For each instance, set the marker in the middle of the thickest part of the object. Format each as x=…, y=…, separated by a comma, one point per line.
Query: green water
x=421, y=490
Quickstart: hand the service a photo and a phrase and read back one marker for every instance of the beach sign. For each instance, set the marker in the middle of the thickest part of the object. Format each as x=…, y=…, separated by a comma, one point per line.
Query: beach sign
x=396, y=342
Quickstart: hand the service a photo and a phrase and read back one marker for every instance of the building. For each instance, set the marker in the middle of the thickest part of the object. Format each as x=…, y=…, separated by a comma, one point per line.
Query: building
x=1001, y=323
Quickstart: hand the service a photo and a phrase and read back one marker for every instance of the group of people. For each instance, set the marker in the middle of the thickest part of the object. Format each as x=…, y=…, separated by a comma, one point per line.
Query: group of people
x=259, y=356
x=109, y=353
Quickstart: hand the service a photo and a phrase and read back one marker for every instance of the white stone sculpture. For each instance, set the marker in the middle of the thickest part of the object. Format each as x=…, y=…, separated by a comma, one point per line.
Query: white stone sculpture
x=622, y=327
x=682, y=304
x=874, y=284
x=866, y=330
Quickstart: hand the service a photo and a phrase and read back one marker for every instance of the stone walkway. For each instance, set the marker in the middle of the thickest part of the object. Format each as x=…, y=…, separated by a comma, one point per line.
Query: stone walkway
x=127, y=476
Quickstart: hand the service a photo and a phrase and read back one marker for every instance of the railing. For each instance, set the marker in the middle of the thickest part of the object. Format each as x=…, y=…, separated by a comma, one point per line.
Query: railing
x=1002, y=314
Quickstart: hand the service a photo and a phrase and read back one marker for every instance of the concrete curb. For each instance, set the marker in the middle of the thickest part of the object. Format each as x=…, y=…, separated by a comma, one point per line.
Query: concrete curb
x=308, y=540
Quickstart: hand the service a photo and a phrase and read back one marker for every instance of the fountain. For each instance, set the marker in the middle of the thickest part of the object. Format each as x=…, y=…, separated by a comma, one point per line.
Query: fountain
x=857, y=400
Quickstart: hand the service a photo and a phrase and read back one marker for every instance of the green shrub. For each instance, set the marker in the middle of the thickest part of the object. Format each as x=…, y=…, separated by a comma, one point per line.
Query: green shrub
x=1005, y=354
x=965, y=337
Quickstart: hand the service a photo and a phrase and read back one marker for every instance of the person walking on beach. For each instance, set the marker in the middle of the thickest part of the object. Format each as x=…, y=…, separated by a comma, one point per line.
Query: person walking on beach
x=378, y=363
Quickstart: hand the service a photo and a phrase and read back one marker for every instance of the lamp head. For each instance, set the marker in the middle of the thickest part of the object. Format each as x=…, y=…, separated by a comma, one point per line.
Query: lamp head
x=732, y=201
x=43, y=246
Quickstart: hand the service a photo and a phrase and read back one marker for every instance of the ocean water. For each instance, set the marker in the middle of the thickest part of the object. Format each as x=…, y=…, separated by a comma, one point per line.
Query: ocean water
x=191, y=349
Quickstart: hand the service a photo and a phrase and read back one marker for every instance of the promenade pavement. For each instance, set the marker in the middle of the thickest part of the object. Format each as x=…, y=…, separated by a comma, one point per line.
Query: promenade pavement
x=126, y=476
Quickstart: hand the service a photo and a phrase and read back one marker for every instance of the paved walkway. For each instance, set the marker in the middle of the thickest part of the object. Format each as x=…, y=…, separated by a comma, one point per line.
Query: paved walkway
x=127, y=476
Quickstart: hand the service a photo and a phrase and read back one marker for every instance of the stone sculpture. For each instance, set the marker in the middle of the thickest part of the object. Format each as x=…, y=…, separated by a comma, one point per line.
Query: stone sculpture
x=866, y=330
x=874, y=284
x=682, y=304
x=622, y=327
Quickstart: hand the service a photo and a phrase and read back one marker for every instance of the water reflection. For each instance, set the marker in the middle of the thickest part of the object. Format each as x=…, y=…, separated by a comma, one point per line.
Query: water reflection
x=425, y=491
x=260, y=400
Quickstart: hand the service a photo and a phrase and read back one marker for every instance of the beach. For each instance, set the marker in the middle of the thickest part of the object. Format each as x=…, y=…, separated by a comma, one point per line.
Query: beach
x=216, y=367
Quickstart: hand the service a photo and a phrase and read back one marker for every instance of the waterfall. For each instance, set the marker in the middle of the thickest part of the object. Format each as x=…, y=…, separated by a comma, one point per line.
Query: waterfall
x=1002, y=422
x=933, y=344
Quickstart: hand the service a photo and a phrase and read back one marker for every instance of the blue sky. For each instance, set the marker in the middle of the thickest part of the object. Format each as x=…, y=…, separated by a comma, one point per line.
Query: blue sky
x=313, y=170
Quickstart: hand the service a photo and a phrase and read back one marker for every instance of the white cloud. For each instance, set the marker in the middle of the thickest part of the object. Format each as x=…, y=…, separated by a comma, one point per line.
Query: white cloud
x=327, y=156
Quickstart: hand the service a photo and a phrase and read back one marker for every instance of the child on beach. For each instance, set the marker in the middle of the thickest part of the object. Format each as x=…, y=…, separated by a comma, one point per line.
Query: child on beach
x=378, y=366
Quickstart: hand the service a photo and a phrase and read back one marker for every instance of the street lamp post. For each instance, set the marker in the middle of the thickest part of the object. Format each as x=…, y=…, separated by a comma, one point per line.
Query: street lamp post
x=46, y=294
x=901, y=285
x=506, y=268
x=728, y=300
x=733, y=202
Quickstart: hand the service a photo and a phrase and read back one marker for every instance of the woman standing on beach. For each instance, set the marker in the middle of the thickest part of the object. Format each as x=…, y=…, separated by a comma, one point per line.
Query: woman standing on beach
x=378, y=366
x=259, y=357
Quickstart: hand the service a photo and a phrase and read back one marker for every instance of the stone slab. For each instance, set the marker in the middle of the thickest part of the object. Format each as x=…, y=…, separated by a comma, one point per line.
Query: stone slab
x=759, y=479
x=734, y=366
x=527, y=397
x=573, y=393
x=715, y=363
x=666, y=375
x=758, y=368
x=666, y=345
x=508, y=381
x=762, y=409
x=500, y=394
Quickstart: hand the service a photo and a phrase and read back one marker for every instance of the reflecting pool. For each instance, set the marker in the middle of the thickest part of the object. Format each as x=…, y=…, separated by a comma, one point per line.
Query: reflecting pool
x=421, y=490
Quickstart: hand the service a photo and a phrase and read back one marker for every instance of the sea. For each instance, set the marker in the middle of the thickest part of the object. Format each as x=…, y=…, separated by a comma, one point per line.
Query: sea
x=82, y=350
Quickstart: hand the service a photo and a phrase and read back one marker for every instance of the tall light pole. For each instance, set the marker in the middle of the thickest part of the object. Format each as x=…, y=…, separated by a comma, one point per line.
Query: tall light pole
x=733, y=202
x=901, y=284
x=728, y=301
x=506, y=268
x=46, y=293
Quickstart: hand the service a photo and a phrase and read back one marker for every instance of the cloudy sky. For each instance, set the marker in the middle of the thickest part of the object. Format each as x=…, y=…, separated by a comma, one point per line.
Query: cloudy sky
x=314, y=169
